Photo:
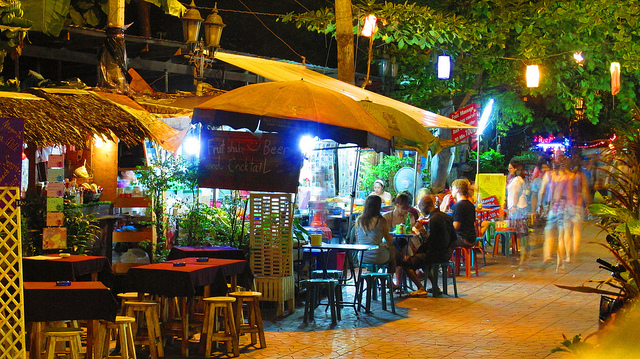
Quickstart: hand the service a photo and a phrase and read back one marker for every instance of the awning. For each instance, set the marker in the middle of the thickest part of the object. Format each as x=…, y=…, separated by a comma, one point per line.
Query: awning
x=289, y=71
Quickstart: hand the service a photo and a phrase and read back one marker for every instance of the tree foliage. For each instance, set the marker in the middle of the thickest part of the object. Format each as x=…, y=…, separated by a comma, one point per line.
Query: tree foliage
x=491, y=42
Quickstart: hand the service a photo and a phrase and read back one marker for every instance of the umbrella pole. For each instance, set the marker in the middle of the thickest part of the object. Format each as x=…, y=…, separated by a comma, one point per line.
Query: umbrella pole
x=353, y=192
x=416, y=167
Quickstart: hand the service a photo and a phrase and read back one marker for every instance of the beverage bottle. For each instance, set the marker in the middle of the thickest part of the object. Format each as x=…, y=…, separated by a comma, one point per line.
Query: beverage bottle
x=407, y=224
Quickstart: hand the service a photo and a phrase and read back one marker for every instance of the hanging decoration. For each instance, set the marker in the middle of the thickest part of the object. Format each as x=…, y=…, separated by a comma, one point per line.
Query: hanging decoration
x=370, y=26
x=615, y=78
x=533, y=76
x=444, y=67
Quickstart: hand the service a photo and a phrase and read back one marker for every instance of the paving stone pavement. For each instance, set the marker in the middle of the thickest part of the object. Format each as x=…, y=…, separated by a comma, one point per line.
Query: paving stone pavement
x=506, y=312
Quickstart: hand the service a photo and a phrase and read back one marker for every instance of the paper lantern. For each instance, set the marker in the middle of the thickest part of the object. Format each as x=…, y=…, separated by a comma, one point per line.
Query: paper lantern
x=615, y=78
x=533, y=76
x=444, y=67
x=370, y=27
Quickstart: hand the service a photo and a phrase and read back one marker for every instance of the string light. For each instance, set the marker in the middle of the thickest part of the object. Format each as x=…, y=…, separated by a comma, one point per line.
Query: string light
x=533, y=76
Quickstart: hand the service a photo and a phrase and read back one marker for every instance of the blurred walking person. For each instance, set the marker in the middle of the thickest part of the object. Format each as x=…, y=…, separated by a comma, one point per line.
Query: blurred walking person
x=578, y=196
x=554, y=188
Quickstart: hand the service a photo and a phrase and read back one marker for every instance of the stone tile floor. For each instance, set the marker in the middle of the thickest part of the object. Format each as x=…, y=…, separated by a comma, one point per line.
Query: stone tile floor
x=504, y=313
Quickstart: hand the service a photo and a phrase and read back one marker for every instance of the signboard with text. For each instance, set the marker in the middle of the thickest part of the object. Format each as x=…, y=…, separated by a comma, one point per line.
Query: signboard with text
x=11, y=135
x=493, y=187
x=242, y=160
x=468, y=115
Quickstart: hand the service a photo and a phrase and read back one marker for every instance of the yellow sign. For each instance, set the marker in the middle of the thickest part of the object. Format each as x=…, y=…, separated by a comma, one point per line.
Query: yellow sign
x=492, y=184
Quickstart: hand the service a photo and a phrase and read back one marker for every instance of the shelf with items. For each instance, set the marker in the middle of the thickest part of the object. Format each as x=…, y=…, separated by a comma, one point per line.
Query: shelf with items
x=134, y=228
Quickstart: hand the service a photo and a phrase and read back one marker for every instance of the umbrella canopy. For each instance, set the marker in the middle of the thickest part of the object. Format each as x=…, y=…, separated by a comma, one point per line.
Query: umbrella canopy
x=407, y=132
x=296, y=107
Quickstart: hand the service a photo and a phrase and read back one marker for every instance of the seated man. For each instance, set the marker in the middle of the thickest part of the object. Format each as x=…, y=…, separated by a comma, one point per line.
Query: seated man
x=437, y=242
x=464, y=214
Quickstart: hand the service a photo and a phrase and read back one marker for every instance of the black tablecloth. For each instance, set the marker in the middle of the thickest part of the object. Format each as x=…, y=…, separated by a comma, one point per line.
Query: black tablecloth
x=44, y=302
x=168, y=280
x=209, y=252
x=73, y=268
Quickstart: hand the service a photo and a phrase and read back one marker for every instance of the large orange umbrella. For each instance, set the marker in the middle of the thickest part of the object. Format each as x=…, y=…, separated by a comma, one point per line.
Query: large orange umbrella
x=297, y=107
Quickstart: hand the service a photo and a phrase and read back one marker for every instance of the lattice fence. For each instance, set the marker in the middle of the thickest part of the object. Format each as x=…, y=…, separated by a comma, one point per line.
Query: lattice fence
x=271, y=234
x=12, y=333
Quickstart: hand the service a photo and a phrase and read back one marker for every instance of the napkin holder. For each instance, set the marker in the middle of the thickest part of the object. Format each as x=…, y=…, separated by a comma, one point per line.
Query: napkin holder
x=63, y=283
x=202, y=259
x=179, y=264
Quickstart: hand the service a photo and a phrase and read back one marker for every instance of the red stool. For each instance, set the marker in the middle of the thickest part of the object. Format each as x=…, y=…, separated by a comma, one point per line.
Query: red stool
x=503, y=234
x=467, y=253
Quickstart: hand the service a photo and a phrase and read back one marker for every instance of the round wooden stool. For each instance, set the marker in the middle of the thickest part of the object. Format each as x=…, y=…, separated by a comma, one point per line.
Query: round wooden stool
x=123, y=326
x=53, y=335
x=213, y=308
x=154, y=338
x=254, y=324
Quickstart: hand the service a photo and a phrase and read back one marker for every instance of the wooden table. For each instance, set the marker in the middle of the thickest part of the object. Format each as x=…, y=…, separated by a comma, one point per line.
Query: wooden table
x=47, y=302
x=52, y=267
x=186, y=282
x=221, y=252
x=358, y=248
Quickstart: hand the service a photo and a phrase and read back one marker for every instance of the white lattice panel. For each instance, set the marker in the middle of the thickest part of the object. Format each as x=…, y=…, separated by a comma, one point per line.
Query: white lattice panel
x=12, y=333
x=271, y=234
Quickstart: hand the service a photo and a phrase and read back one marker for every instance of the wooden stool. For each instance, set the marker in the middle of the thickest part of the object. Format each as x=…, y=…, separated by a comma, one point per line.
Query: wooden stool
x=53, y=335
x=254, y=325
x=154, y=338
x=123, y=326
x=214, y=306
x=129, y=296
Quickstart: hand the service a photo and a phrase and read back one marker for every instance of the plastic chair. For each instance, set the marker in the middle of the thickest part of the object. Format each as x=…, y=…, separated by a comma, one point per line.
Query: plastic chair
x=447, y=270
x=503, y=234
x=467, y=253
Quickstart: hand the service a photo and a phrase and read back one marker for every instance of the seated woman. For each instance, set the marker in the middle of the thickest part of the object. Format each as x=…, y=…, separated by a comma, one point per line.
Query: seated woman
x=378, y=190
x=397, y=216
x=372, y=228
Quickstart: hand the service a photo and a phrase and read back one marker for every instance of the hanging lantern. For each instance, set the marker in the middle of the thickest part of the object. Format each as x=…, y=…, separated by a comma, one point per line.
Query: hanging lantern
x=615, y=78
x=533, y=76
x=444, y=67
x=578, y=57
x=369, y=27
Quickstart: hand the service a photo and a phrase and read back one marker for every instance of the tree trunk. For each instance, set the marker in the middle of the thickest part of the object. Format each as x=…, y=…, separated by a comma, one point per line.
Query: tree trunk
x=344, y=37
x=442, y=162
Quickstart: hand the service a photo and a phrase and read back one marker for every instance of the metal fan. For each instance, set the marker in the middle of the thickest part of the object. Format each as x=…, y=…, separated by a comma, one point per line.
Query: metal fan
x=405, y=180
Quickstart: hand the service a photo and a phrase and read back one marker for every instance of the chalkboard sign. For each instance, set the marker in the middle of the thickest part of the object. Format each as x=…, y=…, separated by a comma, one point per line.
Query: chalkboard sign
x=11, y=135
x=242, y=160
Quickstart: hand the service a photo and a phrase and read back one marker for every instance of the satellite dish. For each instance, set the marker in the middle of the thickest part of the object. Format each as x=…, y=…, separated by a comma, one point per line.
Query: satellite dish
x=405, y=180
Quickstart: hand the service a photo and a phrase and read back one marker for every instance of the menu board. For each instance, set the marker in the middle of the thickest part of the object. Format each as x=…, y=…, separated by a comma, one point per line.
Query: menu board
x=11, y=135
x=243, y=160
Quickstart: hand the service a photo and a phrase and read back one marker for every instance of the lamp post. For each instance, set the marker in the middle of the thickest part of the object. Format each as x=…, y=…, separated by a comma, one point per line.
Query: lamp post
x=484, y=120
x=201, y=52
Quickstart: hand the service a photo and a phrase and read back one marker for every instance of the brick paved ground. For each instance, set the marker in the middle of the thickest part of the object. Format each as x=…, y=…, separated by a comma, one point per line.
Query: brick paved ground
x=503, y=313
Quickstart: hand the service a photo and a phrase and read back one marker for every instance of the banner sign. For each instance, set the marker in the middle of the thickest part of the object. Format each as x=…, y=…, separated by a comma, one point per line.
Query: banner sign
x=468, y=115
x=492, y=184
x=241, y=160
x=11, y=135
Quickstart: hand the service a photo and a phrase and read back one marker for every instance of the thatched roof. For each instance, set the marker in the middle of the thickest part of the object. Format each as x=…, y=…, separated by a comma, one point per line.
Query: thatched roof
x=69, y=117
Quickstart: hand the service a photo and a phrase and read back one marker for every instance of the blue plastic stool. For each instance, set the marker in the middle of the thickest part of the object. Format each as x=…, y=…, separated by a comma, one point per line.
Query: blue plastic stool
x=446, y=268
x=386, y=280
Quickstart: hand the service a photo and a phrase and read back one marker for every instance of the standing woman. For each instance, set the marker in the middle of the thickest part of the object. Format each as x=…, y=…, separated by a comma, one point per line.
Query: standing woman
x=517, y=206
x=372, y=228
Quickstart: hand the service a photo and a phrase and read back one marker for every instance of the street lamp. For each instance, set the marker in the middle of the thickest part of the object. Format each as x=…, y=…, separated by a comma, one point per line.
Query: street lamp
x=484, y=120
x=201, y=53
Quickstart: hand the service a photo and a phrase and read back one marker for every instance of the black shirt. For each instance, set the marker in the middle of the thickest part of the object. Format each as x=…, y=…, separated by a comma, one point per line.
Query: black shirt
x=442, y=236
x=465, y=212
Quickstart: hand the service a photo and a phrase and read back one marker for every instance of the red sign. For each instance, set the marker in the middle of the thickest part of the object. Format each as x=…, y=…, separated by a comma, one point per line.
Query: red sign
x=491, y=201
x=11, y=134
x=468, y=115
x=242, y=160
